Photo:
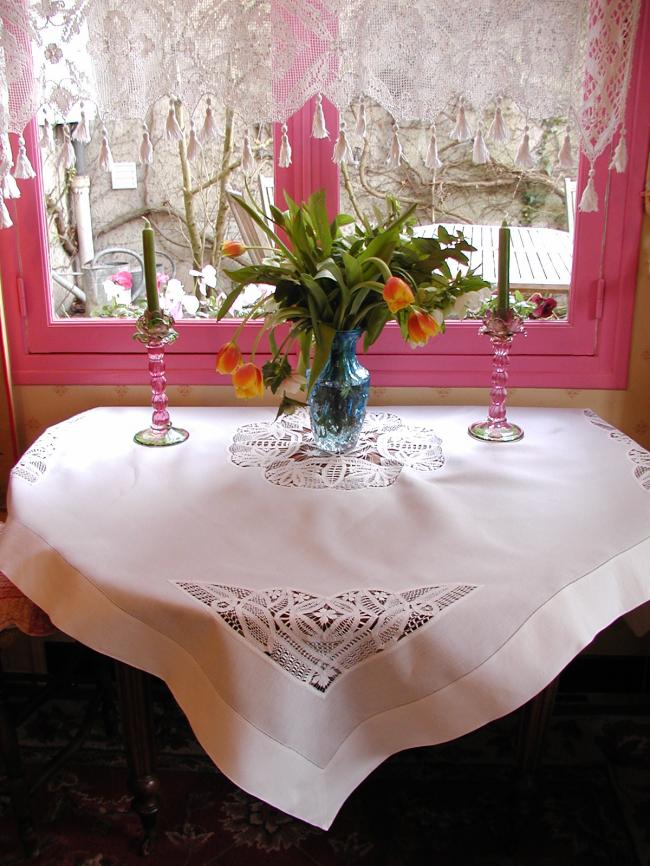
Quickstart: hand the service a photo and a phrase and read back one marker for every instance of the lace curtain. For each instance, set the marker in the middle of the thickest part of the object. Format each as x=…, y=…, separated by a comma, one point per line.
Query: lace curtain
x=110, y=59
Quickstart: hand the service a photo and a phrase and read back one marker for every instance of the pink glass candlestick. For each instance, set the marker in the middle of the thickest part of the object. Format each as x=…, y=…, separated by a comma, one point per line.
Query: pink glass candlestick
x=156, y=331
x=497, y=428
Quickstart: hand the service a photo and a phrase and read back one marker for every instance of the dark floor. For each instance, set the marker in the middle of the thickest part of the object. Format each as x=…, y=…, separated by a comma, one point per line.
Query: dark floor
x=455, y=805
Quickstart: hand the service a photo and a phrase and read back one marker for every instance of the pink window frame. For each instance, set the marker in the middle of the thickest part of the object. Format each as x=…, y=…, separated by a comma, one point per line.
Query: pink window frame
x=589, y=351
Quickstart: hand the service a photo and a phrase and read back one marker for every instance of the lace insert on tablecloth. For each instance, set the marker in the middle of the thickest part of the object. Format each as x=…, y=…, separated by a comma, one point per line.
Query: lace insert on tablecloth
x=639, y=456
x=318, y=638
x=285, y=451
x=33, y=464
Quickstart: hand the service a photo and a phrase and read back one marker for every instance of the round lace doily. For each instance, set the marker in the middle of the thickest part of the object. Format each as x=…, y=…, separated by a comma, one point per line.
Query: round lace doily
x=285, y=451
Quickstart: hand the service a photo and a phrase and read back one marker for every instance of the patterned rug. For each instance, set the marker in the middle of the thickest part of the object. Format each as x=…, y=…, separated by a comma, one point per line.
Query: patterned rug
x=456, y=805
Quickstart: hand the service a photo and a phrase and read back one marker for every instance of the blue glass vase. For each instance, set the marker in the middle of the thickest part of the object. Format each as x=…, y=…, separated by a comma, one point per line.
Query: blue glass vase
x=337, y=402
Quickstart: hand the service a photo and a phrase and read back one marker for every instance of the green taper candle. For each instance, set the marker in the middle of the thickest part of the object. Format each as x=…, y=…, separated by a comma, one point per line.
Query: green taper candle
x=503, y=295
x=150, y=275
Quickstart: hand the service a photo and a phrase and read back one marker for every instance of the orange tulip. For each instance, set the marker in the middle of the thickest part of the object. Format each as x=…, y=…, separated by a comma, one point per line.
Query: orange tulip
x=232, y=249
x=397, y=294
x=228, y=358
x=247, y=381
x=421, y=327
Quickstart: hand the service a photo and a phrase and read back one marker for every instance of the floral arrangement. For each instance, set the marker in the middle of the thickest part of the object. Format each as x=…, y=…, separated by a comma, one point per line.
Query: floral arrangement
x=340, y=276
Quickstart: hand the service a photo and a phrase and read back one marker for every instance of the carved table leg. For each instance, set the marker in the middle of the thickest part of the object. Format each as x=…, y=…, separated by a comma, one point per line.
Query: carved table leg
x=536, y=715
x=137, y=721
x=18, y=787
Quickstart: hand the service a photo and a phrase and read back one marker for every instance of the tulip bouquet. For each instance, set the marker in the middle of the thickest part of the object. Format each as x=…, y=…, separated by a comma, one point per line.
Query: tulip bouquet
x=324, y=277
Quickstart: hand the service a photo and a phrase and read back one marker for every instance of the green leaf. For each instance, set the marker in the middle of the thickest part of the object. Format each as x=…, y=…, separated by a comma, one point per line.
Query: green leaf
x=259, y=220
x=317, y=210
x=321, y=354
x=352, y=269
x=317, y=293
x=230, y=299
x=376, y=321
x=288, y=406
x=342, y=219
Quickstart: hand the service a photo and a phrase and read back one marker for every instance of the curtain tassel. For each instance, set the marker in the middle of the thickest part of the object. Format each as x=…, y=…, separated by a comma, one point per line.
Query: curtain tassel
x=24, y=169
x=284, y=158
x=208, y=131
x=395, y=150
x=360, y=128
x=342, y=154
x=105, y=156
x=432, y=159
x=10, y=187
x=565, y=157
x=82, y=129
x=247, y=156
x=524, y=159
x=5, y=219
x=47, y=136
x=589, y=199
x=461, y=132
x=619, y=160
x=67, y=157
x=194, y=148
x=480, y=153
x=173, y=132
x=146, y=147
x=498, y=131
x=318, y=127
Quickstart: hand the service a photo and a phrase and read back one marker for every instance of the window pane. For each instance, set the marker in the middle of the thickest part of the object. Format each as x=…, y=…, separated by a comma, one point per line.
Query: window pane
x=539, y=203
x=95, y=216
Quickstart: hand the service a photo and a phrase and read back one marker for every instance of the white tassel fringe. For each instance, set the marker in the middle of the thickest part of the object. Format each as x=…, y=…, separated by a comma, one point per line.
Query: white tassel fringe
x=146, y=147
x=10, y=187
x=194, y=147
x=82, y=129
x=395, y=151
x=173, y=132
x=565, y=156
x=480, y=153
x=6, y=158
x=5, y=219
x=209, y=129
x=318, y=127
x=247, y=157
x=498, y=131
x=105, y=156
x=47, y=136
x=524, y=159
x=284, y=159
x=360, y=128
x=67, y=157
x=589, y=200
x=24, y=169
x=461, y=132
x=342, y=154
x=432, y=159
x=619, y=160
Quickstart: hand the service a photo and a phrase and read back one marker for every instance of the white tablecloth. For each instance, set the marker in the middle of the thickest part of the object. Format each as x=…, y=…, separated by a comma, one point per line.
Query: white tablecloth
x=314, y=616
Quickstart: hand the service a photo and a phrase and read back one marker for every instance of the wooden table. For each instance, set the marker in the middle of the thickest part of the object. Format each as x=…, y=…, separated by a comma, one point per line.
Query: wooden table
x=541, y=259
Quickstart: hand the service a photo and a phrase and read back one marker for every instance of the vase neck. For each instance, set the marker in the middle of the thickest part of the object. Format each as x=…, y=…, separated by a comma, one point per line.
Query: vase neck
x=345, y=341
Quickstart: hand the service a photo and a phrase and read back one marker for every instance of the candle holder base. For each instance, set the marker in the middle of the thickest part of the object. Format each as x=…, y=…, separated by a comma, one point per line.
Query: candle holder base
x=488, y=431
x=160, y=438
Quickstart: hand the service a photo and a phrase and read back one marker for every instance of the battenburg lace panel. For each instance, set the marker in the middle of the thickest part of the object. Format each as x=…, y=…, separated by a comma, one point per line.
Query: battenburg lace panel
x=286, y=453
x=33, y=464
x=638, y=456
x=317, y=638
x=265, y=58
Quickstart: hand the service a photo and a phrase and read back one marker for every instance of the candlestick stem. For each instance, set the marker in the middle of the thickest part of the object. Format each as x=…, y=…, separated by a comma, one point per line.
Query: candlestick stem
x=497, y=428
x=156, y=333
